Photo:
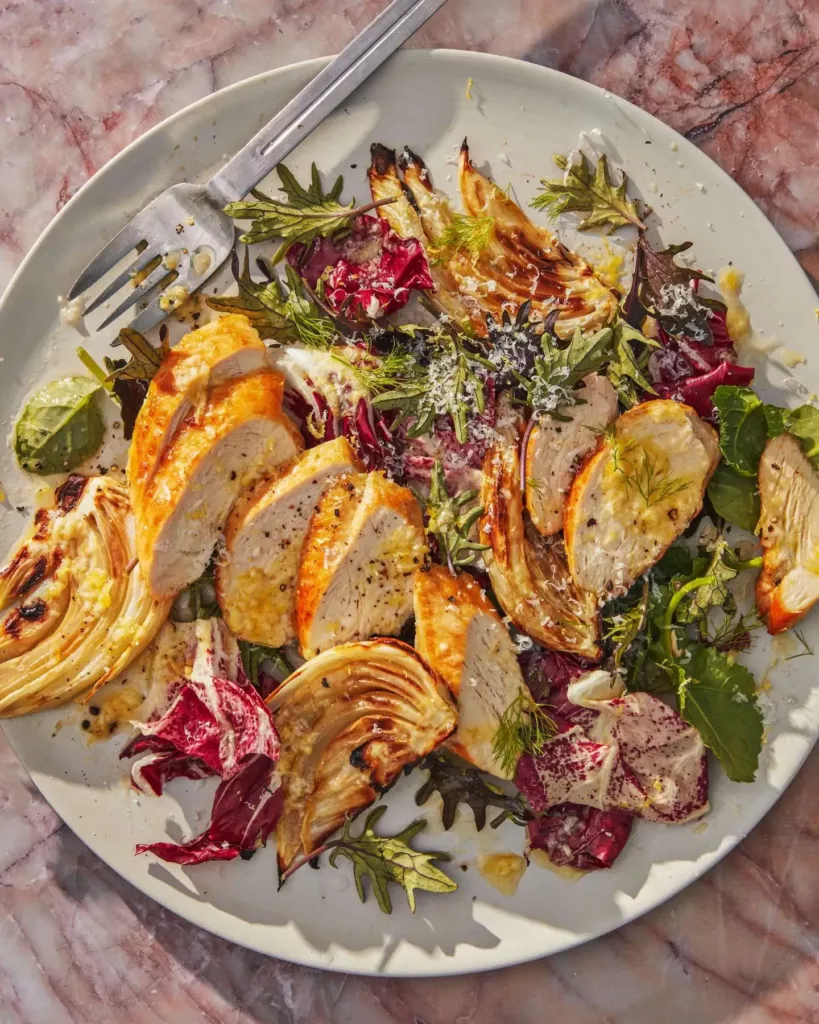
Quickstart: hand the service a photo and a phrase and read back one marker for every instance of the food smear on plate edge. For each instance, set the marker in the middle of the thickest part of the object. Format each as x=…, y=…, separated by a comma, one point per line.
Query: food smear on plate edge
x=428, y=494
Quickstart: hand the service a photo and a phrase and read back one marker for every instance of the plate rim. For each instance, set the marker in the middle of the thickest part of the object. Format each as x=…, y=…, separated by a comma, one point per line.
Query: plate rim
x=435, y=966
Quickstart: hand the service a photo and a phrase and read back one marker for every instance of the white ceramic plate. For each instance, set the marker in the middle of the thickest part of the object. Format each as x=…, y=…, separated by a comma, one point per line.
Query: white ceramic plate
x=518, y=116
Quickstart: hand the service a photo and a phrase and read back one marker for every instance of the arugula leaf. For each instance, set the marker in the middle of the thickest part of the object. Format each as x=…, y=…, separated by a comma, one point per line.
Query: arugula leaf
x=458, y=784
x=309, y=213
x=389, y=859
x=590, y=190
x=283, y=316
x=450, y=522
x=261, y=303
x=524, y=728
x=718, y=697
x=625, y=370
x=145, y=359
x=60, y=426
x=463, y=236
x=557, y=370
x=734, y=497
x=743, y=427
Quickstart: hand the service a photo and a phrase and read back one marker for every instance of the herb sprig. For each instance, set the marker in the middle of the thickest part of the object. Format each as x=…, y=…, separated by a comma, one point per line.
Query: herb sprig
x=308, y=213
x=588, y=189
x=465, y=236
x=450, y=520
x=524, y=728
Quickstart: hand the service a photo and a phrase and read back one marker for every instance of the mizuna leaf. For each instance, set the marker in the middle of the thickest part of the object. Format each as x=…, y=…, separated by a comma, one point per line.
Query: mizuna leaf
x=457, y=785
x=308, y=213
x=588, y=189
x=390, y=859
x=450, y=520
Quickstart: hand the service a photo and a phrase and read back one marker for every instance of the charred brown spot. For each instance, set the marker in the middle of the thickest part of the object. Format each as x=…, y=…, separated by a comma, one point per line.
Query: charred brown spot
x=382, y=158
x=672, y=514
x=358, y=758
x=34, y=611
x=37, y=575
x=69, y=492
x=42, y=522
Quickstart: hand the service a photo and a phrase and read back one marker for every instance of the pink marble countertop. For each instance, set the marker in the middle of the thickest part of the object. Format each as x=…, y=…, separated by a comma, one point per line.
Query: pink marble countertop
x=78, y=80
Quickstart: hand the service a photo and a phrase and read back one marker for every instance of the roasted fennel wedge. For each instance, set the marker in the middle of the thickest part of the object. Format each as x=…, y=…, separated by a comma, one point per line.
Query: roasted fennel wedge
x=75, y=610
x=349, y=721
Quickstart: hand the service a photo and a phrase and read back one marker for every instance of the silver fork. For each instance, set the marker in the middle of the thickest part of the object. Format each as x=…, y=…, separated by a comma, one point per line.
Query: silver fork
x=191, y=216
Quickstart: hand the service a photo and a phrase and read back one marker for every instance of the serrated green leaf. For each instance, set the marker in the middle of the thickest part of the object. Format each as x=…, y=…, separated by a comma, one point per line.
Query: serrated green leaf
x=447, y=521
x=386, y=860
x=588, y=189
x=458, y=784
x=308, y=213
x=712, y=594
x=624, y=369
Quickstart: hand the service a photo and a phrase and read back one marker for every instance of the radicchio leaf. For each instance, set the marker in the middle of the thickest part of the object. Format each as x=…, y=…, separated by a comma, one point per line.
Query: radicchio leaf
x=368, y=274
x=214, y=723
x=634, y=754
x=245, y=811
x=581, y=837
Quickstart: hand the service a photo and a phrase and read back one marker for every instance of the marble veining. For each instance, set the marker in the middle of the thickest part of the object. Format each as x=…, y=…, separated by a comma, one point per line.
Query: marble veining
x=79, y=79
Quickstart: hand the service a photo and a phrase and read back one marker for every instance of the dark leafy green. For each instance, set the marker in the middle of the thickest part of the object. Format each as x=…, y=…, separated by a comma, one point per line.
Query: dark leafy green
x=718, y=697
x=459, y=784
x=734, y=497
x=743, y=428
x=59, y=427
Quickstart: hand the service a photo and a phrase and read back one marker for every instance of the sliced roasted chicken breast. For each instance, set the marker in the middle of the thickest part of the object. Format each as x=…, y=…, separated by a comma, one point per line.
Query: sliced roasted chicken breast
x=349, y=721
x=241, y=435
x=72, y=616
x=222, y=350
x=256, y=575
x=364, y=543
x=462, y=638
x=556, y=447
x=521, y=262
x=638, y=492
x=529, y=575
x=788, y=585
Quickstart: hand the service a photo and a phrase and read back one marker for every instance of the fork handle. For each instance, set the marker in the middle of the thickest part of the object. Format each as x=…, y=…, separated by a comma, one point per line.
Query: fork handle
x=320, y=97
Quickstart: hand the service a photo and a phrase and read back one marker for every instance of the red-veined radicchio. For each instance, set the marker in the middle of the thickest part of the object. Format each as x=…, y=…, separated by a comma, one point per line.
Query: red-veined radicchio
x=370, y=273
x=580, y=837
x=636, y=754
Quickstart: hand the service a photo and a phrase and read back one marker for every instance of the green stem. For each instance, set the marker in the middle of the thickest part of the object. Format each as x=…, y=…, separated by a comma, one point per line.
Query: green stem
x=749, y=563
x=673, y=604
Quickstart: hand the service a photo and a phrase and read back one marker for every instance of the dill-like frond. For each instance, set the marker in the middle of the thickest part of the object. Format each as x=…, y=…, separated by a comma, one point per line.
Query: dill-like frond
x=524, y=728
x=464, y=236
